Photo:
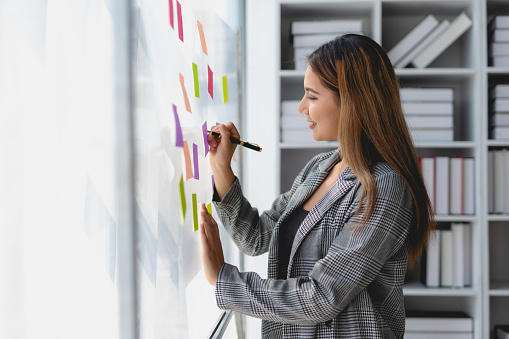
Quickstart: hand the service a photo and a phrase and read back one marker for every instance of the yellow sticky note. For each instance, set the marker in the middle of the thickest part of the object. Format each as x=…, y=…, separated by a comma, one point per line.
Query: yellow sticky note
x=225, y=89
x=182, y=199
x=195, y=213
x=209, y=208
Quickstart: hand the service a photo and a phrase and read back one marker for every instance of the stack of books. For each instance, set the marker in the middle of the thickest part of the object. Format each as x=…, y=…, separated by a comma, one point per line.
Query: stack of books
x=438, y=325
x=502, y=331
x=450, y=184
x=498, y=30
x=498, y=181
x=427, y=40
x=309, y=35
x=448, y=260
x=429, y=113
x=294, y=127
x=499, y=112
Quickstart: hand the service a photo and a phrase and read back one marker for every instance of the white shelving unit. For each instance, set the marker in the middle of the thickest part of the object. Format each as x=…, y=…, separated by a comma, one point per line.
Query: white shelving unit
x=463, y=66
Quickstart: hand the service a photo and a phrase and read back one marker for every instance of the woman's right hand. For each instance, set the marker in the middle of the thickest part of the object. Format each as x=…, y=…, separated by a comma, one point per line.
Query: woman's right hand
x=221, y=149
x=221, y=153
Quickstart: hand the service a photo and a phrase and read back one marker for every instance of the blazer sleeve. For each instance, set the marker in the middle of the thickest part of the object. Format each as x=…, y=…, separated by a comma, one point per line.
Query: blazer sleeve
x=251, y=231
x=354, y=259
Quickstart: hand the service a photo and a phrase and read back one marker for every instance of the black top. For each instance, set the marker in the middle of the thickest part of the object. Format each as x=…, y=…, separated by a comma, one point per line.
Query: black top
x=286, y=236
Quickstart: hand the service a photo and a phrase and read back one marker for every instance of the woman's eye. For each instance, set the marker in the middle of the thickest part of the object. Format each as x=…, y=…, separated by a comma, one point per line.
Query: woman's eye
x=311, y=98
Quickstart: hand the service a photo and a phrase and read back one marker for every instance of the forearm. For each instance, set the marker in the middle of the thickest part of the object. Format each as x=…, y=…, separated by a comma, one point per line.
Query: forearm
x=223, y=179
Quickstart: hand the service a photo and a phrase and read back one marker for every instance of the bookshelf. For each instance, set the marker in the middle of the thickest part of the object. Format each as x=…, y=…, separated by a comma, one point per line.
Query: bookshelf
x=464, y=66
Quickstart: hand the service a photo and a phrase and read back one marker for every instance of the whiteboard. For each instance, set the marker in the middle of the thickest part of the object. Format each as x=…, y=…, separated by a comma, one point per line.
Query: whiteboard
x=186, y=76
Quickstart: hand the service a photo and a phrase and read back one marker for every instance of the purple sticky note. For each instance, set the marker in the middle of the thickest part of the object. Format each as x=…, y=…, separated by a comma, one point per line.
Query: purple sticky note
x=195, y=159
x=213, y=183
x=205, y=138
x=179, y=140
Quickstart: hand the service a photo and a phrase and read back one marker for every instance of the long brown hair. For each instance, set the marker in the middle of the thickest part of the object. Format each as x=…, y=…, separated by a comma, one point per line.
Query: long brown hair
x=372, y=127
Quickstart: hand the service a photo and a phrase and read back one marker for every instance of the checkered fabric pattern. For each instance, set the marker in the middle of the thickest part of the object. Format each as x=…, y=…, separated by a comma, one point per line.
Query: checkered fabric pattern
x=342, y=281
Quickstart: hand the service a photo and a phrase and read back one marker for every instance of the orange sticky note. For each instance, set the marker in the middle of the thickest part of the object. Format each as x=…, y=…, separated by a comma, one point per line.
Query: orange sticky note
x=202, y=37
x=187, y=157
x=186, y=98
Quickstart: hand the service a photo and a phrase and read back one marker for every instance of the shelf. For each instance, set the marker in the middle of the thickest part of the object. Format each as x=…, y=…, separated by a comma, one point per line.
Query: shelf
x=455, y=218
x=497, y=70
x=457, y=73
x=313, y=145
x=418, y=289
x=451, y=144
x=499, y=288
x=498, y=217
x=498, y=143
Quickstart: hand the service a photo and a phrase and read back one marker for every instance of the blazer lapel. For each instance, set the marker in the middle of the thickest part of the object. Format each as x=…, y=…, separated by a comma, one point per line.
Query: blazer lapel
x=344, y=183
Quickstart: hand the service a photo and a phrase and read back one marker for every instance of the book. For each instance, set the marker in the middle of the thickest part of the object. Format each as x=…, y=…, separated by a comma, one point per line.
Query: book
x=500, y=91
x=468, y=186
x=442, y=185
x=290, y=107
x=438, y=321
x=326, y=26
x=435, y=108
x=412, y=38
x=491, y=181
x=409, y=94
x=432, y=272
x=502, y=331
x=499, y=21
x=500, y=119
x=501, y=170
x=428, y=174
x=429, y=121
x=500, y=132
x=315, y=40
x=467, y=252
x=499, y=49
x=458, y=256
x=499, y=35
x=446, y=258
x=500, y=105
x=407, y=59
x=457, y=27
x=456, y=186
x=432, y=134
x=500, y=61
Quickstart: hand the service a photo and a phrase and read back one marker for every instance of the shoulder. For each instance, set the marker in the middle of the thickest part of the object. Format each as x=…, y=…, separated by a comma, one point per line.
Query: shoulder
x=390, y=185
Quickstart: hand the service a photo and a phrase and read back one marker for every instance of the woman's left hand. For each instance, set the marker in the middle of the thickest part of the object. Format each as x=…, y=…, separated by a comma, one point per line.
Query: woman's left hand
x=212, y=250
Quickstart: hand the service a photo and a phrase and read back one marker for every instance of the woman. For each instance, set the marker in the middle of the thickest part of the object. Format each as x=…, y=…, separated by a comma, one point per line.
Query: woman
x=354, y=220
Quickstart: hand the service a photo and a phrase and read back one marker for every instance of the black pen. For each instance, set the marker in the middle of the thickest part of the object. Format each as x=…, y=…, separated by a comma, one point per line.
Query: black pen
x=239, y=142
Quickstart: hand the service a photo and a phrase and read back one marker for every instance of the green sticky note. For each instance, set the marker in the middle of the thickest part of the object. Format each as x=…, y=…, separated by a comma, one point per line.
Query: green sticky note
x=195, y=213
x=209, y=208
x=182, y=199
x=196, y=83
x=225, y=89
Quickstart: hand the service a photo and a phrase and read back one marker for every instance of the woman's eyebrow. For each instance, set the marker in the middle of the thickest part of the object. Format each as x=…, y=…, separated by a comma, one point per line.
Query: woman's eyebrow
x=311, y=90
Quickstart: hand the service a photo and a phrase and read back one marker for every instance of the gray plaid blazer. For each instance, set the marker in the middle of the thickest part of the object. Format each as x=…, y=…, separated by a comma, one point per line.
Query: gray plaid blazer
x=342, y=281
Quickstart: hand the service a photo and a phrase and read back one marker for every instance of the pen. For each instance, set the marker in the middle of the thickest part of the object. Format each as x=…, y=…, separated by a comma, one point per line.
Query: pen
x=239, y=142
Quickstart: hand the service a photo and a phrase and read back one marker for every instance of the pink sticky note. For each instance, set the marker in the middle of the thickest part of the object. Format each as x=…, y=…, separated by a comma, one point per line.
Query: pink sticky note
x=179, y=140
x=187, y=157
x=205, y=138
x=195, y=160
x=179, y=19
x=211, y=82
x=170, y=4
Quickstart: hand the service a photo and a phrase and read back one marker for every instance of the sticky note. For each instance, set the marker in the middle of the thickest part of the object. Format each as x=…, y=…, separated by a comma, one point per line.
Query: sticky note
x=182, y=199
x=202, y=37
x=234, y=157
x=179, y=142
x=209, y=208
x=210, y=82
x=225, y=89
x=195, y=213
x=213, y=182
x=187, y=158
x=179, y=20
x=170, y=5
x=186, y=98
x=205, y=138
x=195, y=160
x=196, y=83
